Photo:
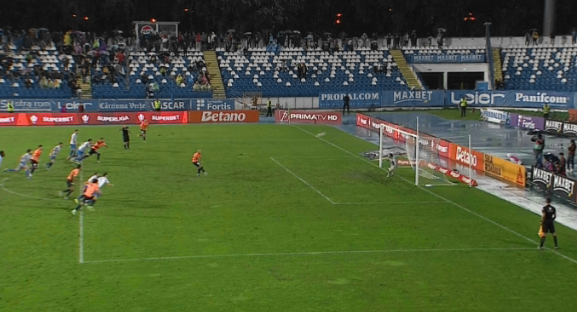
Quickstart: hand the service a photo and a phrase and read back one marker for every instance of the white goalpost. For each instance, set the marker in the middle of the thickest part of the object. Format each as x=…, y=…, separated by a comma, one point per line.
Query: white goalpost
x=416, y=152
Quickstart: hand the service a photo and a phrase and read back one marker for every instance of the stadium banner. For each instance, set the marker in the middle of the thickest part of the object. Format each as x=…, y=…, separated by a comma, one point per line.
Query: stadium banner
x=69, y=119
x=550, y=182
x=506, y=170
x=94, y=105
x=308, y=117
x=212, y=105
x=243, y=116
x=515, y=98
x=495, y=116
x=359, y=99
x=462, y=155
x=8, y=119
x=553, y=126
x=446, y=58
x=569, y=129
x=526, y=122
x=413, y=99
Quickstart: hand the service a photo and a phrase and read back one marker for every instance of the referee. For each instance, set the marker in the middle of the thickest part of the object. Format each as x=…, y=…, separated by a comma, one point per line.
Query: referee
x=548, y=223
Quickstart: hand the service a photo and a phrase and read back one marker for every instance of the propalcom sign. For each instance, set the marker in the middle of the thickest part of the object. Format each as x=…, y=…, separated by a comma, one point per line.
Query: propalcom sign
x=223, y=116
x=308, y=117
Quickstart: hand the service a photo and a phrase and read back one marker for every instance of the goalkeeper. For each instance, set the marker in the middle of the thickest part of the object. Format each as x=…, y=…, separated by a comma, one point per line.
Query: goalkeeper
x=393, y=166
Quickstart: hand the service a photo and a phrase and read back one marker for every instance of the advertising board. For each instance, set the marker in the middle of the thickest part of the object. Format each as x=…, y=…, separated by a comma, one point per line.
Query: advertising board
x=308, y=117
x=506, y=170
x=223, y=116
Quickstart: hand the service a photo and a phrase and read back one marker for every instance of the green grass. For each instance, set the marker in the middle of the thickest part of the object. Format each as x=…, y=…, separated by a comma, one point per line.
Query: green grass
x=251, y=236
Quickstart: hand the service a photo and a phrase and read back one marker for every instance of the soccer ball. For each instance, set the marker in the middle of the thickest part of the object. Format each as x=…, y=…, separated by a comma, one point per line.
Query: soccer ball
x=320, y=135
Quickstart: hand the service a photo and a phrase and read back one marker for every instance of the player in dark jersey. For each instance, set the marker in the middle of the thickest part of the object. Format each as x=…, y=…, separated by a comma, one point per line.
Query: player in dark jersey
x=548, y=223
x=126, y=137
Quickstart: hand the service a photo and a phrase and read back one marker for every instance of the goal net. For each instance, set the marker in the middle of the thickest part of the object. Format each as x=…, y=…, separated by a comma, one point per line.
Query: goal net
x=411, y=152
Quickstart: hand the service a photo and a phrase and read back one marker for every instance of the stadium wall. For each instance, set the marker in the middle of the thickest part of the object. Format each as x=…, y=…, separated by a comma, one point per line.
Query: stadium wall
x=369, y=99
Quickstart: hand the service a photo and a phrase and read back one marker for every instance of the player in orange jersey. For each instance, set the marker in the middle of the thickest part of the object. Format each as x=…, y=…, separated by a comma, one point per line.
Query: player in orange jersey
x=196, y=162
x=94, y=150
x=70, y=182
x=88, y=198
x=35, y=160
x=143, y=128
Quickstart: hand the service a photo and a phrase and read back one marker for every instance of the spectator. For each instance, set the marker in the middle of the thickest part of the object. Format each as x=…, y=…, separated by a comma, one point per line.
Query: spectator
x=179, y=79
x=561, y=165
x=546, y=110
x=406, y=39
x=389, y=37
x=163, y=71
x=63, y=109
x=571, y=156
x=198, y=41
x=538, y=148
x=573, y=36
x=413, y=39
x=535, y=37
x=527, y=38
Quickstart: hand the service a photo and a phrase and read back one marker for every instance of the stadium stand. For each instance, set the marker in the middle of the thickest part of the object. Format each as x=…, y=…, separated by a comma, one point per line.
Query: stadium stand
x=540, y=68
x=277, y=73
x=431, y=51
x=35, y=74
x=175, y=76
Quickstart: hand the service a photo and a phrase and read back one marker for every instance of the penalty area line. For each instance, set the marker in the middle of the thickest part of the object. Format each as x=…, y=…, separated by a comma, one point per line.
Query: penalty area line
x=303, y=181
x=317, y=253
x=443, y=198
x=23, y=195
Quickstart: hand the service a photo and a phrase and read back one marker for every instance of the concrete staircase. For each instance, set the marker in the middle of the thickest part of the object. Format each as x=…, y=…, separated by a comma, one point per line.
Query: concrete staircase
x=86, y=88
x=497, y=64
x=215, y=77
x=406, y=70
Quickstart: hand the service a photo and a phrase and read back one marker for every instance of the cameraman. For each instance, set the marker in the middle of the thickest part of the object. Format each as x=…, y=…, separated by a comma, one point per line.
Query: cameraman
x=538, y=148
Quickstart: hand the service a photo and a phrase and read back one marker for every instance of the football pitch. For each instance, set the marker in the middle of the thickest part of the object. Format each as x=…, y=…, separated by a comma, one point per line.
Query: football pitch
x=284, y=221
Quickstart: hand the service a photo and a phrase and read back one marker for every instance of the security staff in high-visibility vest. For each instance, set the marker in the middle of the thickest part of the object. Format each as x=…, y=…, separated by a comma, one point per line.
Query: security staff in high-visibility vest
x=157, y=105
x=10, y=107
x=546, y=110
x=463, y=105
x=269, y=108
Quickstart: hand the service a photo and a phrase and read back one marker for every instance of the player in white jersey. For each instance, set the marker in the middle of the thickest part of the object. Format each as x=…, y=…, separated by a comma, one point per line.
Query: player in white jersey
x=1, y=157
x=24, y=160
x=83, y=148
x=393, y=166
x=53, y=153
x=102, y=181
x=73, y=140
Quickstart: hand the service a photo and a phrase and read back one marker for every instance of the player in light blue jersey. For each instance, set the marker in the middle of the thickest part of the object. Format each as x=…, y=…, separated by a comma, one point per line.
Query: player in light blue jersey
x=53, y=153
x=24, y=160
x=82, y=149
x=73, y=140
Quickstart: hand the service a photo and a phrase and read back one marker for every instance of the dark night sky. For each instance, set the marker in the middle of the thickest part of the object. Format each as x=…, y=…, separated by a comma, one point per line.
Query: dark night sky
x=512, y=17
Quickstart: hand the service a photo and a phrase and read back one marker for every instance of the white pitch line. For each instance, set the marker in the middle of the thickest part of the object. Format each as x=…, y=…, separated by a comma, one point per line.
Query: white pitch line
x=81, y=237
x=443, y=198
x=392, y=203
x=24, y=195
x=81, y=224
x=313, y=253
x=303, y=181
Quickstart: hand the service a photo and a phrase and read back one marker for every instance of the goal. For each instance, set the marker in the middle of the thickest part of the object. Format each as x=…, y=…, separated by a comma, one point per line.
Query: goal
x=415, y=152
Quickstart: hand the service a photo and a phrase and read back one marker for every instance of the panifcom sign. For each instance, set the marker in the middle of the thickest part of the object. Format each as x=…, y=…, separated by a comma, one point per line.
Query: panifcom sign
x=528, y=99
